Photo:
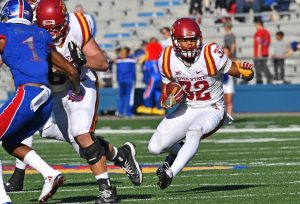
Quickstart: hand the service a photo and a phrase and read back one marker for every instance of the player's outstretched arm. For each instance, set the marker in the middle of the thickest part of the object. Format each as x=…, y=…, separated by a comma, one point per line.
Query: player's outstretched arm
x=67, y=68
x=95, y=57
x=242, y=70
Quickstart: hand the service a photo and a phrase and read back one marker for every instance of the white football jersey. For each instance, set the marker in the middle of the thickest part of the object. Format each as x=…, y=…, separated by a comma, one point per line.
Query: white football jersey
x=80, y=34
x=202, y=81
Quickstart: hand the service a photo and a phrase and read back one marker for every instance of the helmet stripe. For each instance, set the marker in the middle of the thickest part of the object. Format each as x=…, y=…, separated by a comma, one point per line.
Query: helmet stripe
x=21, y=8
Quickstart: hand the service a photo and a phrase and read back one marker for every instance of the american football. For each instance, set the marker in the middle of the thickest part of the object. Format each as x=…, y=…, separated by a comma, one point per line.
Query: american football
x=173, y=88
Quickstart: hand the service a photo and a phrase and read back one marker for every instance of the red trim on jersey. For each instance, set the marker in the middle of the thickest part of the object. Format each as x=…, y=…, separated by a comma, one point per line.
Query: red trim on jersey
x=166, y=62
x=209, y=60
x=7, y=116
x=214, y=71
x=169, y=62
x=206, y=60
x=85, y=29
x=21, y=5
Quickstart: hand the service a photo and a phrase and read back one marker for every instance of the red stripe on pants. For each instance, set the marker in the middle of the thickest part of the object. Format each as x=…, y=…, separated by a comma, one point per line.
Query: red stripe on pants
x=7, y=116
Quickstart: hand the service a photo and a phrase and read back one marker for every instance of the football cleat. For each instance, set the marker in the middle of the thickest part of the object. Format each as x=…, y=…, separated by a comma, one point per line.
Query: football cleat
x=129, y=164
x=15, y=183
x=165, y=176
x=52, y=183
x=5, y=199
x=108, y=194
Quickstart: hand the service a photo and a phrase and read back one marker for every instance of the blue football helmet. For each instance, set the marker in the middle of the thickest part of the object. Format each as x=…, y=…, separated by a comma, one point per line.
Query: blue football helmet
x=17, y=11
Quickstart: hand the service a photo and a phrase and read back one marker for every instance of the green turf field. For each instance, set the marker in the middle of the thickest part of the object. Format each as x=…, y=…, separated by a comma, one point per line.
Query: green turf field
x=267, y=167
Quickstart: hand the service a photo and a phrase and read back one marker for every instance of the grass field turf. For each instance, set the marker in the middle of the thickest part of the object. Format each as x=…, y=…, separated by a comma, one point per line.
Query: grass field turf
x=272, y=176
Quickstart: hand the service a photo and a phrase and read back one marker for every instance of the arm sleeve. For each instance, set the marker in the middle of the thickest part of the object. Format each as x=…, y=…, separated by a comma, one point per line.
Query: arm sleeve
x=164, y=79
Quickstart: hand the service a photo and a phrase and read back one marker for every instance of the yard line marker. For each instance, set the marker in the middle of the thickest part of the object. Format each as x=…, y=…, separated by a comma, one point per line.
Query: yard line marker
x=173, y=185
x=231, y=130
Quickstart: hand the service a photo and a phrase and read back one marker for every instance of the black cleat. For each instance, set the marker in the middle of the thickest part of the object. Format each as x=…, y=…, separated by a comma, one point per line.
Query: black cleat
x=15, y=183
x=165, y=176
x=129, y=164
x=108, y=194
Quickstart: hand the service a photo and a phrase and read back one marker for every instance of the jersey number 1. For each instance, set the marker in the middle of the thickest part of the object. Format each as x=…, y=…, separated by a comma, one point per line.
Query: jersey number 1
x=29, y=42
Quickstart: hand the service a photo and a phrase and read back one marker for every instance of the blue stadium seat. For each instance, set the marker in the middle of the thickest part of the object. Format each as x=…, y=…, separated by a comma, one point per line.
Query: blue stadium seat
x=167, y=3
x=134, y=25
x=116, y=35
x=151, y=14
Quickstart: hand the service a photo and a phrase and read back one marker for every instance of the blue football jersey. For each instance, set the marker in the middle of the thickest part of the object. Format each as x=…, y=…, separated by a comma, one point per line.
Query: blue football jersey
x=26, y=52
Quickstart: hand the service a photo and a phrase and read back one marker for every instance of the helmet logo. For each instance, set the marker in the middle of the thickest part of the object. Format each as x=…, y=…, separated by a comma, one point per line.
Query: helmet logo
x=189, y=34
x=48, y=22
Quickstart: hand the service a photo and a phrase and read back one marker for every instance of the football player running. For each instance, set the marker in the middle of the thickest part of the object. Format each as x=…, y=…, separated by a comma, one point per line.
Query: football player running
x=198, y=68
x=76, y=122
x=26, y=50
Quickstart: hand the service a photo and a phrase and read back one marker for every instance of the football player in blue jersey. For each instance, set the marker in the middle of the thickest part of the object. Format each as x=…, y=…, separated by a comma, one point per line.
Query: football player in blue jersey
x=26, y=49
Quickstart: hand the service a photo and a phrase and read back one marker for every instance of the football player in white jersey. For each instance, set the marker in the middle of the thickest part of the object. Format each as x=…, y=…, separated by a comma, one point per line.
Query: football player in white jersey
x=198, y=68
x=75, y=122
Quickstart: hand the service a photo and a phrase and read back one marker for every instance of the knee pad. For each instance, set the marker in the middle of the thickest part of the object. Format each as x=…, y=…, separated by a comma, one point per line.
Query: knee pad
x=93, y=153
x=103, y=143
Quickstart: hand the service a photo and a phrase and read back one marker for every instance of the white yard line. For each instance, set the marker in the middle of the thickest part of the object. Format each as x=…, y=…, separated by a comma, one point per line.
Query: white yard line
x=155, y=186
x=187, y=176
x=242, y=130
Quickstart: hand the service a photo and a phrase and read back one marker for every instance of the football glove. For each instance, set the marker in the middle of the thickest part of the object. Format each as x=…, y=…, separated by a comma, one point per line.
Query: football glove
x=246, y=70
x=74, y=97
x=77, y=55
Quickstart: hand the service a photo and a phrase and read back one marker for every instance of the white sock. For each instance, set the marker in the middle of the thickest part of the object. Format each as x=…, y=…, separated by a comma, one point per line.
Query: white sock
x=187, y=151
x=27, y=142
x=115, y=153
x=20, y=164
x=2, y=189
x=36, y=162
x=102, y=176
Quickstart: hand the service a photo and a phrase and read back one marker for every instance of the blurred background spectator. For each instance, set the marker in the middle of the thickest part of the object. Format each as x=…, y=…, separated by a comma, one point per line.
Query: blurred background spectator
x=230, y=39
x=152, y=79
x=126, y=81
x=295, y=46
x=262, y=40
x=106, y=78
x=281, y=51
x=195, y=8
x=79, y=8
x=166, y=33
